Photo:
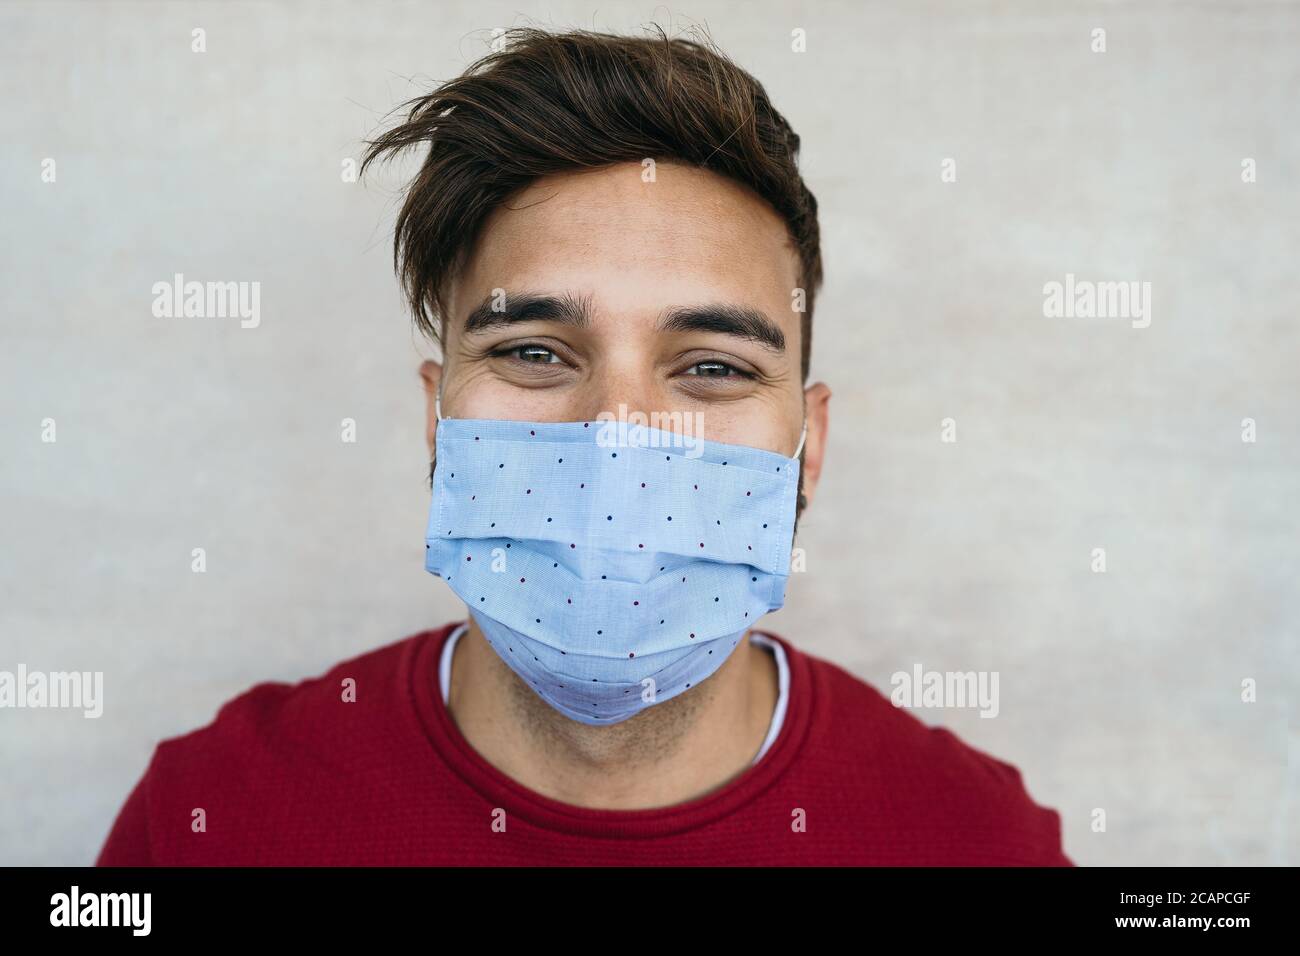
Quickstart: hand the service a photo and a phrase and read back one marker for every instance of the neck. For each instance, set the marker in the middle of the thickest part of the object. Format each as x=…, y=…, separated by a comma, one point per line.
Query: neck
x=669, y=753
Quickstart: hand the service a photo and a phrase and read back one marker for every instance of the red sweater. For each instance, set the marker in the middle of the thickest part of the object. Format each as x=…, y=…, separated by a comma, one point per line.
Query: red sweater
x=292, y=775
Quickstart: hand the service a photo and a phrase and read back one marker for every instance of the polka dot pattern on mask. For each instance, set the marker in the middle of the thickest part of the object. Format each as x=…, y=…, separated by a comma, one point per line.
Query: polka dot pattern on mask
x=560, y=539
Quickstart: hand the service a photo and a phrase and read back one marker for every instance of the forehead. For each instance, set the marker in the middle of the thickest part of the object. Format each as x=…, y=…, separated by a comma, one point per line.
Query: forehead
x=689, y=236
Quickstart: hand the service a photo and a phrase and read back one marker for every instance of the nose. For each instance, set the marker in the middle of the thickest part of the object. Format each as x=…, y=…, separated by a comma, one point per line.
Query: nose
x=616, y=392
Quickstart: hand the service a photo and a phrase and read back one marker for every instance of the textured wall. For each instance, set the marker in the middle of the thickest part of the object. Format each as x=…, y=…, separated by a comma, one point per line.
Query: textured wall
x=1119, y=691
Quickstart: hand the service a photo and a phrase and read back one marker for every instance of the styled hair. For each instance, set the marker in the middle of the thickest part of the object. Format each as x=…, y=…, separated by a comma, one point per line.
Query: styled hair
x=552, y=102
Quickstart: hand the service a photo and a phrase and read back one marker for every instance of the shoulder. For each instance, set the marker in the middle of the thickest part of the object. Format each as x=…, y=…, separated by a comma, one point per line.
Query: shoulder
x=932, y=782
x=276, y=715
x=275, y=745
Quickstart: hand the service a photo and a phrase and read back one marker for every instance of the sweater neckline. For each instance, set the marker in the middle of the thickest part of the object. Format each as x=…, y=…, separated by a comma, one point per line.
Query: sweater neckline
x=421, y=663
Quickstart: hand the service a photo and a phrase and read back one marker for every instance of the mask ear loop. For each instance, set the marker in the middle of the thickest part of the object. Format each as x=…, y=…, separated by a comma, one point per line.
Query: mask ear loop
x=802, y=435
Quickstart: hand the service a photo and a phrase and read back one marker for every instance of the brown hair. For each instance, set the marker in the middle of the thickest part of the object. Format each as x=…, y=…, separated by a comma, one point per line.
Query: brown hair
x=550, y=102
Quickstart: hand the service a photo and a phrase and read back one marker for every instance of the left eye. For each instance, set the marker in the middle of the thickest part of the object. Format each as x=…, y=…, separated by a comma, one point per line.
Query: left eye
x=712, y=370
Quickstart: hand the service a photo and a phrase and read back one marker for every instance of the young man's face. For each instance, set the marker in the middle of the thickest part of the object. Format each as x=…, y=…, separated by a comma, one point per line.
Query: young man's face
x=671, y=296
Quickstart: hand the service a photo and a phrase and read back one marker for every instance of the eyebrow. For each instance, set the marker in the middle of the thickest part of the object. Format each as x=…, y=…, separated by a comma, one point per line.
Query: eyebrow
x=576, y=311
x=738, y=320
x=565, y=309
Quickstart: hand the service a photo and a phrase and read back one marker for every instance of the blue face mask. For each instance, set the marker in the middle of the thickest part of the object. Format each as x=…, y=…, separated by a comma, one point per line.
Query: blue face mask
x=612, y=568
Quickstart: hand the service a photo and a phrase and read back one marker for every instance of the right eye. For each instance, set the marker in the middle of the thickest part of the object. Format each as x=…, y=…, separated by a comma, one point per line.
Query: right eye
x=532, y=354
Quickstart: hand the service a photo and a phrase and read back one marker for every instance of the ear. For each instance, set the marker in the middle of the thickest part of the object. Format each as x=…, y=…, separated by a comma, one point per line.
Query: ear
x=430, y=373
x=817, y=400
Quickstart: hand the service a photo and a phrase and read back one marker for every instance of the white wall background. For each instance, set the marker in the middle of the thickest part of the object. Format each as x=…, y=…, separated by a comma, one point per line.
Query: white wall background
x=1118, y=690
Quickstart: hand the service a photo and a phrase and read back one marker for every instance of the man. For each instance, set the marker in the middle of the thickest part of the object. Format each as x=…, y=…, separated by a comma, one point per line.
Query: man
x=603, y=228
